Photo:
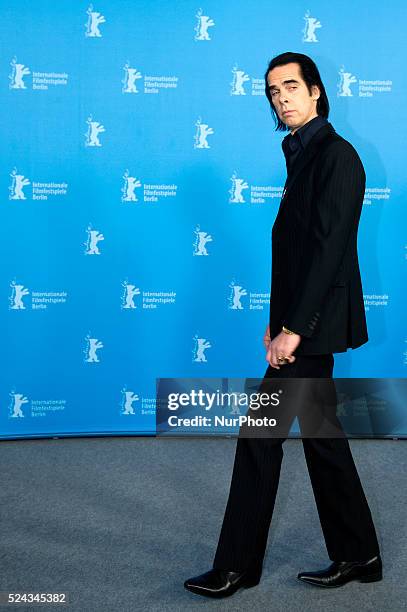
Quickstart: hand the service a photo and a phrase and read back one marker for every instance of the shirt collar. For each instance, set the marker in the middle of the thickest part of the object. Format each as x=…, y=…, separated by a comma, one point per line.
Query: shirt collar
x=303, y=135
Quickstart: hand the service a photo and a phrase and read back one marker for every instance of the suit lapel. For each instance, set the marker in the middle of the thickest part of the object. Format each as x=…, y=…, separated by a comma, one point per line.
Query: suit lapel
x=308, y=154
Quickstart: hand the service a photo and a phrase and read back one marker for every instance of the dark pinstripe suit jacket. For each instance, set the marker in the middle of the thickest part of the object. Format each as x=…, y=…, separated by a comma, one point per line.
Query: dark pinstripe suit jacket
x=316, y=287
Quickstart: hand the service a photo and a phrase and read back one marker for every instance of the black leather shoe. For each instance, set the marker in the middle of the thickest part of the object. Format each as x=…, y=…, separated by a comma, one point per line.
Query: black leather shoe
x=222, y=583
x=341, y=572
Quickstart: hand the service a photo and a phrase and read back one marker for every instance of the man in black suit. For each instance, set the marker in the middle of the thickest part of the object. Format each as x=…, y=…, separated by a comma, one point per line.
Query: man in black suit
x=316, y=309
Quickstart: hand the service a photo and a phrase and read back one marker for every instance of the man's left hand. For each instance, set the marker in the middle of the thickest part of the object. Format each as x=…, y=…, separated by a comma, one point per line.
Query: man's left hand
x=282, y=345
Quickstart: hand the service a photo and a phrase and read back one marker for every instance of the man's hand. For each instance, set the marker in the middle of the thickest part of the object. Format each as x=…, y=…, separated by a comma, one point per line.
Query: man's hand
x=281, y=345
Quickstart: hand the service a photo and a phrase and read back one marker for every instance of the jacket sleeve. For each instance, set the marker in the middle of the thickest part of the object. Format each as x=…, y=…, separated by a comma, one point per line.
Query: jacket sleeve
x=336, y=210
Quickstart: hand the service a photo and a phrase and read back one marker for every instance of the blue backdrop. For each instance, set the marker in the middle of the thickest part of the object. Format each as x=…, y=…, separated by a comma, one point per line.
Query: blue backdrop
x=141, y=175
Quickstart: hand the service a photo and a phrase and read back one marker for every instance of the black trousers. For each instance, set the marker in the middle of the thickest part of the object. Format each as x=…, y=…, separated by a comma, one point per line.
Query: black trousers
x=343, y=510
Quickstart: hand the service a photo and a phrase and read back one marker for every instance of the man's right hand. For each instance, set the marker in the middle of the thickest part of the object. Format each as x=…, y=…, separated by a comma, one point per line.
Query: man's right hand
x=292, y=341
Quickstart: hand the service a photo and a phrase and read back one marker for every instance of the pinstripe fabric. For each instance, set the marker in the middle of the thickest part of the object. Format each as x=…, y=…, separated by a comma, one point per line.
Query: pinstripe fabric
x=342, y=507
x=316, y=291
x=316, y=287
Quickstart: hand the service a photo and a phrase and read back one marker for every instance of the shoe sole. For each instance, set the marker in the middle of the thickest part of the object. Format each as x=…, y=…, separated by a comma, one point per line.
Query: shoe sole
x=248, y=584
x=370, y=578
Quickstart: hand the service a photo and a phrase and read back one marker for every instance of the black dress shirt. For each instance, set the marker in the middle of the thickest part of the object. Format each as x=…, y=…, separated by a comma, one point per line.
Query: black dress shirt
x=294, y=144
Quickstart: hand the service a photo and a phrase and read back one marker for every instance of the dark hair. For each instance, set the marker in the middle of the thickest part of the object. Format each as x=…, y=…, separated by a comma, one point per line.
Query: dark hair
x=309, y=73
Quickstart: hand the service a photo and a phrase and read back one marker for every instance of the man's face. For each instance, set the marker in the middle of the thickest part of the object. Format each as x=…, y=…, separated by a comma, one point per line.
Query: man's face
x=289, y=92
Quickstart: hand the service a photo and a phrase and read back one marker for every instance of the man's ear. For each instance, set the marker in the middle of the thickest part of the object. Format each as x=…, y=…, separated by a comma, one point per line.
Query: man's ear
x=315, y=92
